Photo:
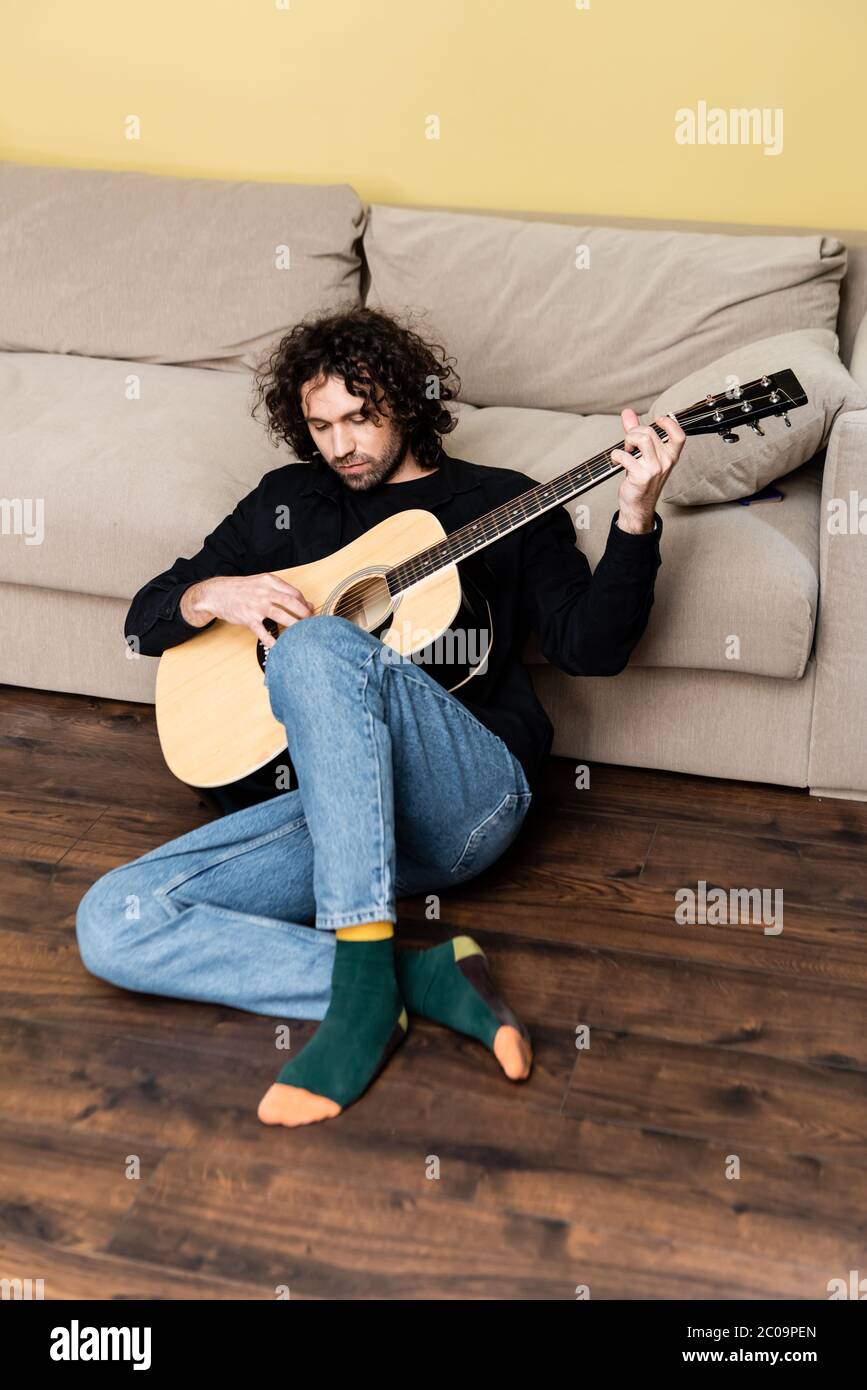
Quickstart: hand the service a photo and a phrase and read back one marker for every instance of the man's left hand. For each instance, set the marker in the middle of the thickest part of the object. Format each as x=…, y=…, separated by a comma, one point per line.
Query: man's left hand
x=646, y=472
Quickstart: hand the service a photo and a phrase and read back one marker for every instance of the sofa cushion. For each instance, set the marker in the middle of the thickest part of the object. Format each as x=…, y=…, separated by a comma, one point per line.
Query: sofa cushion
x=127, y=484
x=738, y=586
x=156, y=269
x=712, y=471
x=530, y=325
x=130, y=484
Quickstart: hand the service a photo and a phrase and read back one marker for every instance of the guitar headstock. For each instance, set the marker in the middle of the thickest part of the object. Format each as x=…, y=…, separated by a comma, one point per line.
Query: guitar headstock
x=774, y=394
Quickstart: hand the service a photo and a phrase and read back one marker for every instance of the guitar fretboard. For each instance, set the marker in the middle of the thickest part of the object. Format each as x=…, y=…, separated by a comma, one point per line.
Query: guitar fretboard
x=508, y=517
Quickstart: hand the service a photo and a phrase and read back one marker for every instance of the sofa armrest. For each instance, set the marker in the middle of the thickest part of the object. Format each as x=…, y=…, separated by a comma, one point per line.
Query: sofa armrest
x=838, y=749
x=858, y=365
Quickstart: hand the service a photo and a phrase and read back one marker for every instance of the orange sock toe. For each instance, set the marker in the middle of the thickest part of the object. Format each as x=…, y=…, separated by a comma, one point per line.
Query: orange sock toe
x=292, y=1106
x=514, y=1053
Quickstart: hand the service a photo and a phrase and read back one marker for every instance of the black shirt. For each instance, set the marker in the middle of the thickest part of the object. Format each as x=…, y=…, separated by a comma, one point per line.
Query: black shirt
x=534, y=578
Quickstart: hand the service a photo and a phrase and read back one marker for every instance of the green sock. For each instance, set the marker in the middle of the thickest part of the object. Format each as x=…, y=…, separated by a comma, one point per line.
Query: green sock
x=452, y=984
x=365, y=1022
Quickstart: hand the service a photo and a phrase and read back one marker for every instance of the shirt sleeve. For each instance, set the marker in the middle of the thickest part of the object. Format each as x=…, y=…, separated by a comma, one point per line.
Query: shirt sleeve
x=154, y=620
x=588, y=623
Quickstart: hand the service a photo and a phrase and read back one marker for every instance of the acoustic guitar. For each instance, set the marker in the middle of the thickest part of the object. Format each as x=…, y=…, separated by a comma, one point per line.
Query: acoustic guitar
x=399, y=581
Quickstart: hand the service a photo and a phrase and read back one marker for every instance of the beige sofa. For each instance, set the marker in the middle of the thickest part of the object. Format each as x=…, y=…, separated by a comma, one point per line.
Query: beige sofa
x=136, y=306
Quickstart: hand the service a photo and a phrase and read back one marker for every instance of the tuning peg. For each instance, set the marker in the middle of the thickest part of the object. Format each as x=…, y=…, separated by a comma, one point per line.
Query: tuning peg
x=728, y=437
x=787, y=420
x=754, y=425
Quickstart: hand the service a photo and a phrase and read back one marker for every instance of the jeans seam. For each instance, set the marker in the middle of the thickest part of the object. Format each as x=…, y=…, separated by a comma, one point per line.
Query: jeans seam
x=300, y=930
x=352, y=919
x=509, y=796
x=383, y=886
x=233, y=853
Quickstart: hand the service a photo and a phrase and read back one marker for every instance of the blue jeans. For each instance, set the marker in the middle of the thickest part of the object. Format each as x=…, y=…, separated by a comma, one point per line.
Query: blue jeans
x=401, y=790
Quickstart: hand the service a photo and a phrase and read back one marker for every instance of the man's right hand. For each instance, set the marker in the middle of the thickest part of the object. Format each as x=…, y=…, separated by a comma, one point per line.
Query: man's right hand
x=245, y=600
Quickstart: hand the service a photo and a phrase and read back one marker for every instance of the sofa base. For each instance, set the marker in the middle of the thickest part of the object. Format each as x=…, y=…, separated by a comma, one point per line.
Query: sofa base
x=710, y=723
x=840, y=795
x=72, y=642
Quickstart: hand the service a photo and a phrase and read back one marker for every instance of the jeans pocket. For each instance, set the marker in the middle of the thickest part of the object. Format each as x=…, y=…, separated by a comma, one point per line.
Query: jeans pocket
x=493, y=836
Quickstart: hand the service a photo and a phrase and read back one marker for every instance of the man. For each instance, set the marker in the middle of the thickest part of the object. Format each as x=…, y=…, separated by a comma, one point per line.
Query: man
x=286, y=906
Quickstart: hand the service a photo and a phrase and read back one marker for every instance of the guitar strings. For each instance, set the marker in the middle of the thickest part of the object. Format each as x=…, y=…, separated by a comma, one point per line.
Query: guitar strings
x=413, y=571
x=523, y=508
x=414, y=568
x=418, y=566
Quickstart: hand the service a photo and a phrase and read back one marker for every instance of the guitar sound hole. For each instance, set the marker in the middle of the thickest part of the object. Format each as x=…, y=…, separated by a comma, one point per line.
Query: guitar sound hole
x=365, y=602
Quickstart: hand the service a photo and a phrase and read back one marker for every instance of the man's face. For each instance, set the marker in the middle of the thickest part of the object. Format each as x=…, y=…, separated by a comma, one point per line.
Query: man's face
x=361, y=453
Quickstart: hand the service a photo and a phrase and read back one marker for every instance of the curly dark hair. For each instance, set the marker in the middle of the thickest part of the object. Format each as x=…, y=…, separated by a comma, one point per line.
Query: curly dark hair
x=377, y=358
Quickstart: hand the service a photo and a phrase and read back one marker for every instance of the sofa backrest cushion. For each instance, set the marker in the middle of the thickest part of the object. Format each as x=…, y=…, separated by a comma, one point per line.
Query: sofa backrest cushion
x=591, y=319
x=710, y=470
x=196, y=272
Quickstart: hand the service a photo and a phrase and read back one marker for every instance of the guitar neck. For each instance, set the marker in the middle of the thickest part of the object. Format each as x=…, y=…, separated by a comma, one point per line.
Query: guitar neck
x=771, y=395
x=491, y=527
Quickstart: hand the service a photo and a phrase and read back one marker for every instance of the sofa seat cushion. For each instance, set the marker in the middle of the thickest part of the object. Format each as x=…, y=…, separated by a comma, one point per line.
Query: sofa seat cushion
x=135, y=464
x=738, y=586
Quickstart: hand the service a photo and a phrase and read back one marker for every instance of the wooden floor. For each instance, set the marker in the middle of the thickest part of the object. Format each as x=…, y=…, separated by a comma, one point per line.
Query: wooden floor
x=606, y=1169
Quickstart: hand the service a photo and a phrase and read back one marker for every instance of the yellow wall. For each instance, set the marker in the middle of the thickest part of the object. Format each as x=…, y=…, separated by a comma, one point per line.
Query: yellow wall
x=543, y=106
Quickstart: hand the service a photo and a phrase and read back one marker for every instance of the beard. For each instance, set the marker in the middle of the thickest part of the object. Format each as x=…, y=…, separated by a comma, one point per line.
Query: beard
x=376, y=469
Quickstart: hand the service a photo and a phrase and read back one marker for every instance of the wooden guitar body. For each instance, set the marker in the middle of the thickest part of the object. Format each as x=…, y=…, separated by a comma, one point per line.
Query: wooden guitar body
x=213, y=713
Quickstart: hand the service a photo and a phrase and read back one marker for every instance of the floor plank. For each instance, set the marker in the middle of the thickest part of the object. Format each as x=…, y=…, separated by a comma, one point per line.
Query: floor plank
x=369, y=1243
x=608, y=1167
